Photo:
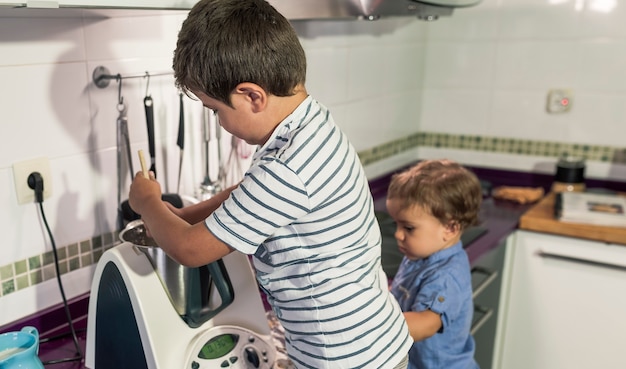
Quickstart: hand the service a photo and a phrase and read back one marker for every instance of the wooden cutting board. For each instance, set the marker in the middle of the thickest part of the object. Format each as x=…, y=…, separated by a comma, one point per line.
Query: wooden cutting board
x=540, y=218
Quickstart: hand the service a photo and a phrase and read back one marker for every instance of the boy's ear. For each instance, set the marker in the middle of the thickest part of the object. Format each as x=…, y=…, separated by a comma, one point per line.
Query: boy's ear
x=453, y=229
x=254, y=94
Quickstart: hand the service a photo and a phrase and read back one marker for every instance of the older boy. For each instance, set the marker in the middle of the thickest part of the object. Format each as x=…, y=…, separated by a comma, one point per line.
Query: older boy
x=303, y=209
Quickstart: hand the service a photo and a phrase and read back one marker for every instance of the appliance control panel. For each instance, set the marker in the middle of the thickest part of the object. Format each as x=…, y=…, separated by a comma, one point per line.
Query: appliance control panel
x=231, y=347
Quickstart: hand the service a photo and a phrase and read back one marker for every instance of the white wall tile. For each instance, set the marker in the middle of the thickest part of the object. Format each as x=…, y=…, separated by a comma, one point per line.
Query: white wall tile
x=366, y=72
x=408, y=30
x=382, y=167
x=539, y=19
x=400, y=113
x=459, y=64
x=603, y=18
x=602, y=65
x=45, y=111
x=600, y=119
x=537, y=64
x=478, y=22
x=132, y=37
x=369, y=123
x=45, y=40
x=403, y=68
x=361, y=114
x=456, y=111
x=327, y=74
x=522, y=114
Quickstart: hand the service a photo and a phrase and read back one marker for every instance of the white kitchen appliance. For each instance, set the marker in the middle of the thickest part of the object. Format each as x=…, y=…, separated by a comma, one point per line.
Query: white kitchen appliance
x=134, y=322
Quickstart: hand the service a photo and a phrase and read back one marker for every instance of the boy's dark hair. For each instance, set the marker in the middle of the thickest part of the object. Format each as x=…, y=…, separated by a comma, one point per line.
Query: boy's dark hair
x=226, y=42
x=444, y=188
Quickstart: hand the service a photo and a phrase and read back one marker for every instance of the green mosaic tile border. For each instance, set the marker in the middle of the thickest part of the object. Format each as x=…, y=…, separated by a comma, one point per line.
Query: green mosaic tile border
x=29, y=272
x=495, y=145
x=40, y=268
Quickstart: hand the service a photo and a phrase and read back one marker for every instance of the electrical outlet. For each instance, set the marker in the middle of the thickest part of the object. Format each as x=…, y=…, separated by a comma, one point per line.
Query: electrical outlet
x=559, y=101
x=22, y=170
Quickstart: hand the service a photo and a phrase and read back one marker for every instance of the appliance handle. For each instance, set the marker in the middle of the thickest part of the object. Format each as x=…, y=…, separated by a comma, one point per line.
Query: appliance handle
x=198, y=313
x=491, y=276
x=487, y=313
x=222, y=282
x=579, y=260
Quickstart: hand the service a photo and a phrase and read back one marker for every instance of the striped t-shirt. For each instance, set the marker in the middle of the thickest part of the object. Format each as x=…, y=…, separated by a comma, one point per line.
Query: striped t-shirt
x=305, y=211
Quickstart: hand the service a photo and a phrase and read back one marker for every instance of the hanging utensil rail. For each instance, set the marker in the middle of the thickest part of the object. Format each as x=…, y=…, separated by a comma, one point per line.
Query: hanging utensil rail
x=102, y=77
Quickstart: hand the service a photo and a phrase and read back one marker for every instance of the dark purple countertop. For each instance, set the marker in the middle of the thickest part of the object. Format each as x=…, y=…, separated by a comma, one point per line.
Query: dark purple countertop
x=499, y=218
x=62, y=347
x=55, y=341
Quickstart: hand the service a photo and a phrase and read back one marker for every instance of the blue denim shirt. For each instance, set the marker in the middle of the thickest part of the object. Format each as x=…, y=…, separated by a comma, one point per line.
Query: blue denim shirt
x=442, y=283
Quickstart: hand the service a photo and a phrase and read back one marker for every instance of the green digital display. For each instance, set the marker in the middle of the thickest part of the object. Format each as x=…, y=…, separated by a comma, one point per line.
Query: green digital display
x=218, y=346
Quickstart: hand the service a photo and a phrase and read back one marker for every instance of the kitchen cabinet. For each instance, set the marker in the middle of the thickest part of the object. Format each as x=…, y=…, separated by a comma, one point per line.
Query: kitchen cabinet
x=564, y=304
x=486, y=284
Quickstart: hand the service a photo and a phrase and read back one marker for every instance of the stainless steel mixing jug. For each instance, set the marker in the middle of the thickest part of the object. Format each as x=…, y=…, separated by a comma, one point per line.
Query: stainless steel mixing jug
x=191, y=290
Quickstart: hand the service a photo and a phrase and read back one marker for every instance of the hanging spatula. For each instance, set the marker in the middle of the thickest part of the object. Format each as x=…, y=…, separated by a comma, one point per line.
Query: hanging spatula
x=148, y=105
x=180, y=141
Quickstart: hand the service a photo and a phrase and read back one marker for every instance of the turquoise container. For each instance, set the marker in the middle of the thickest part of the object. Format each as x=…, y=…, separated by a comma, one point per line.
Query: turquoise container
x=18, y=350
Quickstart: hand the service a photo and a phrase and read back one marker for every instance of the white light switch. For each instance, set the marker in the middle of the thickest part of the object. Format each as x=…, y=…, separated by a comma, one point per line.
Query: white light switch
x=559, y=101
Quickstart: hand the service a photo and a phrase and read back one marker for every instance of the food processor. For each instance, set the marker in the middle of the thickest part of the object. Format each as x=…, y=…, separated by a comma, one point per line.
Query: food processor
x=148, y=311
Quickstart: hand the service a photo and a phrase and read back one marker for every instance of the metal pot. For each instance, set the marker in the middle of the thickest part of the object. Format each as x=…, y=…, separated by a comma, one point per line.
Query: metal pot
x=189, y=289
x=172, y=274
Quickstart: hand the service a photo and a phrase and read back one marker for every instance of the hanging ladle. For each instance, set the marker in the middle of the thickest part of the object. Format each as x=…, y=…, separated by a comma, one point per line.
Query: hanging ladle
x=208, y=188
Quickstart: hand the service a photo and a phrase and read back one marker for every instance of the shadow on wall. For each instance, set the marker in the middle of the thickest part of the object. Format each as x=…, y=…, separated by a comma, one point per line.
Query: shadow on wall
x=110, y=181
x=91, y=126
x=85, y=116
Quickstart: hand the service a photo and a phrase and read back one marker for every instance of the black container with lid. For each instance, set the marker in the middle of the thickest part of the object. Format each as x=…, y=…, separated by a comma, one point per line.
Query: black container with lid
x=570, y=174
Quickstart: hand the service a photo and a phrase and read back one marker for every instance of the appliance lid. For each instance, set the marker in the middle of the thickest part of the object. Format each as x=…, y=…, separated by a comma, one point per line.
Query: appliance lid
x=368, y=9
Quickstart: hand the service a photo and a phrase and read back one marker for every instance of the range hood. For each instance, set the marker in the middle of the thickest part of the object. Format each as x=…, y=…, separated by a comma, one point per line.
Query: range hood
x=291, y=9
x=368, y=9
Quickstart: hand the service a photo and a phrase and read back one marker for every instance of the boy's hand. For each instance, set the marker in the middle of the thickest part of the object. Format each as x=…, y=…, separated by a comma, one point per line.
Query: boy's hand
x=174, y=209
x=143, y=191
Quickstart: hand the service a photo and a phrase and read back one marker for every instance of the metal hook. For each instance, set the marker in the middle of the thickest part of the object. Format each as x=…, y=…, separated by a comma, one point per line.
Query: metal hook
x=147, y=83
x=120, y=98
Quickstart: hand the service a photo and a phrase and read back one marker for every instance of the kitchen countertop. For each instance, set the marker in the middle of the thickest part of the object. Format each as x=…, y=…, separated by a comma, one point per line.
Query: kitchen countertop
x=53, y=348
x=540, y=218
x=500, y=218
